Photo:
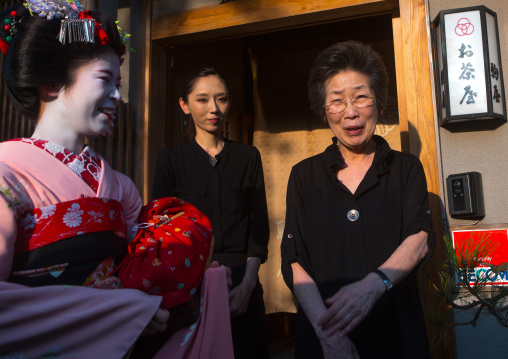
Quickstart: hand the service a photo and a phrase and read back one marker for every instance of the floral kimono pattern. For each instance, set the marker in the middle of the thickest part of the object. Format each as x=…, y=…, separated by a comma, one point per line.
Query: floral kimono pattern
x=35, y=322
x=74, y=220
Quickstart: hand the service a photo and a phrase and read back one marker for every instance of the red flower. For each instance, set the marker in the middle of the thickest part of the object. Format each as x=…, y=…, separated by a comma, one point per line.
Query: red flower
x=99, y=31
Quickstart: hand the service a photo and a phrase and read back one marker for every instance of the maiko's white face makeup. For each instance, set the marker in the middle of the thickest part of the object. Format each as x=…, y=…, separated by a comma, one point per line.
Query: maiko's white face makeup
x=91, y=101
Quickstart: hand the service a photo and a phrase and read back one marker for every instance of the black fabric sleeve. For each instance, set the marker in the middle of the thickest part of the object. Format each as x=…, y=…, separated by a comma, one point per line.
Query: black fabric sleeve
x=293, y=247
x=163, y=182
x=259, y=225
x=416, y=212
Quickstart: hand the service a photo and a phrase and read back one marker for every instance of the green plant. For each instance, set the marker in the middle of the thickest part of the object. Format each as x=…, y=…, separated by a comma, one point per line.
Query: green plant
x=461, y=285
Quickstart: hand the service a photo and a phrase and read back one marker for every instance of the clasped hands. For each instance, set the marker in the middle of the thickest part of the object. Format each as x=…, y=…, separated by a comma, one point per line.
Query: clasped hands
x=346, y=309
x=350, y=305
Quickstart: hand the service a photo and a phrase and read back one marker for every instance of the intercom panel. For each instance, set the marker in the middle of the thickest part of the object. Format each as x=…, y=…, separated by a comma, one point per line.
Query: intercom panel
x=465, y=195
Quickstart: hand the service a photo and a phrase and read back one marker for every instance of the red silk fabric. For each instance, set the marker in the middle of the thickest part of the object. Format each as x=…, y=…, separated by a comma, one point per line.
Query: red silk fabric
x=170, y=252
x=42, y=226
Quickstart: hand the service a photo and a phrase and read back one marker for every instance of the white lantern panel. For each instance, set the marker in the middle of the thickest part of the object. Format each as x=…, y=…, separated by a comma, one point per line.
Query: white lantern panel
x=466, y=68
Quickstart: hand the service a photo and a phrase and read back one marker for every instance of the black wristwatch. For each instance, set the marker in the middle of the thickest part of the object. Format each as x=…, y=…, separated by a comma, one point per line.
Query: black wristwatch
x=387, y=282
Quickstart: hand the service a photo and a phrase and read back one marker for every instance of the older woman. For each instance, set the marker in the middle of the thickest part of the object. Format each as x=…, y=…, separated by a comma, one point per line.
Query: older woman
x=357, y=222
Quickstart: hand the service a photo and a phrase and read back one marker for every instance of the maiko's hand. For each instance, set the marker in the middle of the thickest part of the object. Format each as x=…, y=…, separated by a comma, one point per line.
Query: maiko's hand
x=350, y=305
x=239, y=298
x=158, y=323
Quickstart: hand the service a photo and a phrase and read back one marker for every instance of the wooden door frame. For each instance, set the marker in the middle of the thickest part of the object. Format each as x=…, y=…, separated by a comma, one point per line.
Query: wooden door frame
x=248, y=17
x=410, y=20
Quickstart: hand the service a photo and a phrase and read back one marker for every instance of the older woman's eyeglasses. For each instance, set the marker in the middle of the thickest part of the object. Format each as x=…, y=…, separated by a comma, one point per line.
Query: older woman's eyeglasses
x=338, y=106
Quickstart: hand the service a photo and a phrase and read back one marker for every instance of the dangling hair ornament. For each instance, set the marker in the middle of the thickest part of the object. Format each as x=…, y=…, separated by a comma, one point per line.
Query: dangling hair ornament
x=77, y=25
x=9, y=22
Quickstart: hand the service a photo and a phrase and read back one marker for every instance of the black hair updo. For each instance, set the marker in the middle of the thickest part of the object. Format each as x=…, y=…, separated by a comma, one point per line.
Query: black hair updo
x=36, y=58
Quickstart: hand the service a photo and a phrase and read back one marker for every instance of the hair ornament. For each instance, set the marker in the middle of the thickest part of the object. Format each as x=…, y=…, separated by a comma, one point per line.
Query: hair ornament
x=85, y=17
x=56, y=9
x=77, y=30
x=77, y=25
x=9, y=21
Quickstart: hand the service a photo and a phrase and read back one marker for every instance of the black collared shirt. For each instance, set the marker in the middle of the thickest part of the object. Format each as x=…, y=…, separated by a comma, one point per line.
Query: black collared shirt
x=390, y=204
x=231, y=193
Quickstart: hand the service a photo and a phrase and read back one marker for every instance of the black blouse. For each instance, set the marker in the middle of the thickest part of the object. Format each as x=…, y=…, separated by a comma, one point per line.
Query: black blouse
x=231, y=193
x=391, y=204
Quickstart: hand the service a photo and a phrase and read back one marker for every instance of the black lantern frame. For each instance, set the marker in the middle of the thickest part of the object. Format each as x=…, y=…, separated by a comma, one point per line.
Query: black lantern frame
x=492, y=69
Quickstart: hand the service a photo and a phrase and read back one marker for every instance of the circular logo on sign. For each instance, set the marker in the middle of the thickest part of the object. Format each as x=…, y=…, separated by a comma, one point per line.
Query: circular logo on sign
x=464, y=27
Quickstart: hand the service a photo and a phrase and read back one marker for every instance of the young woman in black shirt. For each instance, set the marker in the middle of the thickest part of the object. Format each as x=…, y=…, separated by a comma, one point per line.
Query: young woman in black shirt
x=224, y=180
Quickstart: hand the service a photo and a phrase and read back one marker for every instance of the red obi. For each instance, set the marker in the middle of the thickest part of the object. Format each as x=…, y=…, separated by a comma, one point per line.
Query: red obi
x=53, y=223
x=170, y=252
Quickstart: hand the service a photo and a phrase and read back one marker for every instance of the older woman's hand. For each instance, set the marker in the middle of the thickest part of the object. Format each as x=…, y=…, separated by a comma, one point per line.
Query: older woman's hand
x=336, y=347
x=350, y=305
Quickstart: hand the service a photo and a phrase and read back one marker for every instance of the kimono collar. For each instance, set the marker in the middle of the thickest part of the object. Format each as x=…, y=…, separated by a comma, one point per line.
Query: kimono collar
x=333, y=159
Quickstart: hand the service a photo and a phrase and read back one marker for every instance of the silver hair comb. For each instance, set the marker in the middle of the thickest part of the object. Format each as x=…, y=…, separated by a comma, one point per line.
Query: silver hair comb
x=77, y=30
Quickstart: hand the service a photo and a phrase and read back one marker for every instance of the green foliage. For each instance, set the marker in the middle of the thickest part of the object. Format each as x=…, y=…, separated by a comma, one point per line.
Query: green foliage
x=124, y=36
x=473, y=296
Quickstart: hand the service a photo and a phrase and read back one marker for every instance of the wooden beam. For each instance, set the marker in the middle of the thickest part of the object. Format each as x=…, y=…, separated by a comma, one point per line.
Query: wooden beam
x=401, y=81
x=238, y=18
x=411, y=34
x=156, y=135
x=413, y=68
x=141, y=11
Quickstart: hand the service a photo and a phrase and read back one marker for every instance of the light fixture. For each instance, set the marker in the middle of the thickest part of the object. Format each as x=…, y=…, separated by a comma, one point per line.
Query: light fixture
x=469, y=81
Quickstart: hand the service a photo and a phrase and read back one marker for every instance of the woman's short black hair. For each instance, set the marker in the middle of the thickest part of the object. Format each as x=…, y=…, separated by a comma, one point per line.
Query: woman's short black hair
x=36, y=58
x=200, y=72
x=343, y=56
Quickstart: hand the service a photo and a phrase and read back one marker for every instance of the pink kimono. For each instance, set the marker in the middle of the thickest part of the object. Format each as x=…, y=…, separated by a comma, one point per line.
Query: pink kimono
x=81, y=322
